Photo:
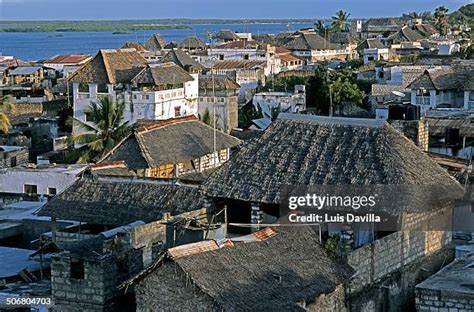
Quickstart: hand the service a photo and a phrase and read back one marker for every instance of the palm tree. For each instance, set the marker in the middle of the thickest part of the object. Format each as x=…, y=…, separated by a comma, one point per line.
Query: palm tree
x=319, y=26
x=339, y=21
x=441, y=20
x=5, y=107
x=414, y=15
x=108, y=130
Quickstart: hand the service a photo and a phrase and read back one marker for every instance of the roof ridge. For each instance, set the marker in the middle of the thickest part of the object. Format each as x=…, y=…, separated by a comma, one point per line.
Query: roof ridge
x=166, y=122
x=343, y=121
x=106, y=65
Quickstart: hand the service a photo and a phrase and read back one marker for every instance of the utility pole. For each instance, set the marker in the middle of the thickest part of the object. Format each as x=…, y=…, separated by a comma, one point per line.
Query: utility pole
x=213, y=102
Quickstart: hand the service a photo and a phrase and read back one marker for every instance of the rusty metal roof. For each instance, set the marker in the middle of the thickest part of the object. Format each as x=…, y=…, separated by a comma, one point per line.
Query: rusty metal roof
x=193, y=248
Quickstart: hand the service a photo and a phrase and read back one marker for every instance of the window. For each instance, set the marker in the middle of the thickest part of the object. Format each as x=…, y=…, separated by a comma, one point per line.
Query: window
x=88, y=116
x=102, y=88
x=30, y=189
x=83, y=87
x=135, y=97
x=221, y=57
x=51, y=191
x=146, y=96
x=246, y=56
x=13, y=161
x=77, y=268
x=177, y=111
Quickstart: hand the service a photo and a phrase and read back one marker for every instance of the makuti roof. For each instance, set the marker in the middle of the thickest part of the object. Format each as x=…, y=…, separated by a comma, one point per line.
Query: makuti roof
x=110, y=66
x=182, y=59
x=162, y=74
x=155, y=43
x=316, y=150
x=118, y=201
x=276, y=274
x=169, y=141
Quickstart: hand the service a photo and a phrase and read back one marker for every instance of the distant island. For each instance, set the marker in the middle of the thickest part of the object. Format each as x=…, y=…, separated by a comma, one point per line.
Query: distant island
x=124, y=26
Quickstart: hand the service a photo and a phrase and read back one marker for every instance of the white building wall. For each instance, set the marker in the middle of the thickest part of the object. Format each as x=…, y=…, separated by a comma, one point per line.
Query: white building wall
x=154, y=105
x=60, y=178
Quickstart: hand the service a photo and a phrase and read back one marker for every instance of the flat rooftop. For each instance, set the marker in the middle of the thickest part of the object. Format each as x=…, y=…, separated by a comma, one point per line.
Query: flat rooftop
x=53, y=168
x=456, y=277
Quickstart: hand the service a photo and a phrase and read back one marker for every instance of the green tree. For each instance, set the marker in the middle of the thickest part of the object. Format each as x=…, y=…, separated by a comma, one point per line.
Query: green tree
x=340, y=85
x=320, y=26
x=441, y=20
x=339, y=21
x=6, y=107
x=108, y=129
x=208, y=118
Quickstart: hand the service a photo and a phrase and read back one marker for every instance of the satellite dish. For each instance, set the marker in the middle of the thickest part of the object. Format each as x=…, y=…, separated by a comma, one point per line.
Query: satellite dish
x=398, y=93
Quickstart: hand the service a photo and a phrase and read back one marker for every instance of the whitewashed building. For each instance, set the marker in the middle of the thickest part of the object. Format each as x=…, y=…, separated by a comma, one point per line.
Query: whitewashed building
x=36, y=180
x=158, y=91
x=444, y=87
x=286, y=102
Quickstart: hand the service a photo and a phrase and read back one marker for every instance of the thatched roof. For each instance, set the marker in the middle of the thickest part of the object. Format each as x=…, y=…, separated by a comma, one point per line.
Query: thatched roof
x=118, y=201
x=192, y=42
x=446, y=78
x=110, y=66
x=155, y=43
x=169, y=141
x=305, y=41
x=183, y=60
x=370, y=43
x=274, y=274
x=316, y=150
x=162, y=74
x=219, y=82
x=133, y=45
x=406, y=34
x=226, y=35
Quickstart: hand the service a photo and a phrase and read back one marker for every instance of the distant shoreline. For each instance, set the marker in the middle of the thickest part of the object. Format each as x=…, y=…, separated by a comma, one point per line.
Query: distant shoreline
x=130, y=25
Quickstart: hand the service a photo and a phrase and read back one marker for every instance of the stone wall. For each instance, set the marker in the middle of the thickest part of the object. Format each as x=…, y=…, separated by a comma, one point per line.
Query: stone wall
x=396, y=292
x=6, y=158
x=390, y=253
x=92, y=293
x=432, y=300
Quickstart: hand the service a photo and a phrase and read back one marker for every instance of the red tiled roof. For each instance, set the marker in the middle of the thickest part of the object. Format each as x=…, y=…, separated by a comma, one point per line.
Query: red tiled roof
x=289, y=58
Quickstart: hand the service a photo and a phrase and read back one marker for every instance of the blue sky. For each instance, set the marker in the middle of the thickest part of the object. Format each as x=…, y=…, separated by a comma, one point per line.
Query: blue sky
x=133, y=9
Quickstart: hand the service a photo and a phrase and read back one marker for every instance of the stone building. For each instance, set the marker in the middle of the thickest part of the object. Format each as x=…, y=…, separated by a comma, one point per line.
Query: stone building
x=221, y=93
x=126, y=225
x=322, y=151
x=26, y=75
x=281, y=270
x=12, y=156
x=149, y=91
x=172, y=148
x=448, y=290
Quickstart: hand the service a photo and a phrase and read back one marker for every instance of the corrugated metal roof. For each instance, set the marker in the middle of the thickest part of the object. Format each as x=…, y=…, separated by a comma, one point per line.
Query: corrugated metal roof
x=27, y=70
x=191, y=249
